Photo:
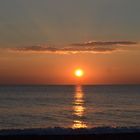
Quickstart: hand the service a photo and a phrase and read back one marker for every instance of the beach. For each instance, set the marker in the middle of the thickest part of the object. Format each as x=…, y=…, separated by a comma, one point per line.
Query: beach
x=81, y=134
x=122, y=136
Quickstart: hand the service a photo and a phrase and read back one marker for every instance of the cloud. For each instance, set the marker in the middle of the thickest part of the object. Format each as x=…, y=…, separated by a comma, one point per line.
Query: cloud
x=87, y=47
x=105, y=43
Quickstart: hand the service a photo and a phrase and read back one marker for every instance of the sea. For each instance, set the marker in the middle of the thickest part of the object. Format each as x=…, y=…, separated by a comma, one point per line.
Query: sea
x=99, y=108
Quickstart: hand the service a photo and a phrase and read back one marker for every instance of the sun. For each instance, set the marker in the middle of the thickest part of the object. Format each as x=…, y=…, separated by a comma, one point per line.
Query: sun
x=79, y=72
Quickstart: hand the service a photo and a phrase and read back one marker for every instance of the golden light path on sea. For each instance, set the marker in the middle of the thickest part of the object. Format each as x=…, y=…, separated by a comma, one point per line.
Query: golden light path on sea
x=79, y=108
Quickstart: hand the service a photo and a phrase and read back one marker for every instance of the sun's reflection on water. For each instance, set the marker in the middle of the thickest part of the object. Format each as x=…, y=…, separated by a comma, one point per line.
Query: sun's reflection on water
x=79, y=108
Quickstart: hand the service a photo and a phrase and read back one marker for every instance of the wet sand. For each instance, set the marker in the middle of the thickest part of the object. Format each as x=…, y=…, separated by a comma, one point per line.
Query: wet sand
x=120, y=136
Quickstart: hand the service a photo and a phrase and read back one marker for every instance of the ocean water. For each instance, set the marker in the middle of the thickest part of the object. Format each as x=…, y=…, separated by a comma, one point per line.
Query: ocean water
x=29, y=107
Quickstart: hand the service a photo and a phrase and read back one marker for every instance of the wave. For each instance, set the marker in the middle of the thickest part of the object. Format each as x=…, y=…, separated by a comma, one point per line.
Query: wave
x=69, y=131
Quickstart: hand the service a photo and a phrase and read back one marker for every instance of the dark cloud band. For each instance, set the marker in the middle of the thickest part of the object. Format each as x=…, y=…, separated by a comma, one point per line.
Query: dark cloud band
x=88, y=47
x=105, y=43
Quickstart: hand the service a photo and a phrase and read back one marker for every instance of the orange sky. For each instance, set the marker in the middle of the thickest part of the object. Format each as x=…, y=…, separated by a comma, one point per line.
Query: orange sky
x=34, y=68
x=44, y=41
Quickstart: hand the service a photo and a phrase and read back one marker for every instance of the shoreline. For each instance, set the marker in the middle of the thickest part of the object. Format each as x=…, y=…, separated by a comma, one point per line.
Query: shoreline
x=100, y=133
x=119, y=136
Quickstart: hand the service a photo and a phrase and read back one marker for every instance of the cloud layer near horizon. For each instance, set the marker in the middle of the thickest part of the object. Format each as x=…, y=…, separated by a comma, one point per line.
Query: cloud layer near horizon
x=87, y=47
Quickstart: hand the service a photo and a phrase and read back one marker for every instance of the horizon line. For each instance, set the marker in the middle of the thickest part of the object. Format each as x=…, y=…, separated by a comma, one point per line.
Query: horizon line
x=122, y=84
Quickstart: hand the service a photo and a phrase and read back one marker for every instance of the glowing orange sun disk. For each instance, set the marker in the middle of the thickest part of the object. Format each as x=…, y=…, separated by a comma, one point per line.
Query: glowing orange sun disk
x=79, y=73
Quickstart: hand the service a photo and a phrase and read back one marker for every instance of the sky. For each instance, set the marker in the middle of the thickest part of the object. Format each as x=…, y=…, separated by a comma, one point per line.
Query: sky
x=44, y=41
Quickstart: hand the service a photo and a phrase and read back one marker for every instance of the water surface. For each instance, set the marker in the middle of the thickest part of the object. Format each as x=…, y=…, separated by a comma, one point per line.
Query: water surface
x=69, y=106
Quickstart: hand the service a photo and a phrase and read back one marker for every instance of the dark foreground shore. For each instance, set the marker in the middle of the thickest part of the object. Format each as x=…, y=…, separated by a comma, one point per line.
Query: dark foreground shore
x=119, y=136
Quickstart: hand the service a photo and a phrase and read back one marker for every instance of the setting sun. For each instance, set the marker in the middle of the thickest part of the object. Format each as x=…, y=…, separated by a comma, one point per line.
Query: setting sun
x=79, y=73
